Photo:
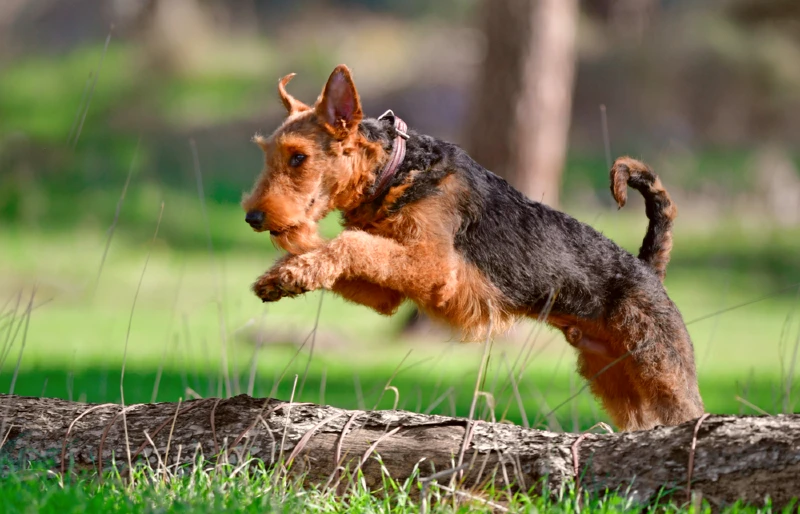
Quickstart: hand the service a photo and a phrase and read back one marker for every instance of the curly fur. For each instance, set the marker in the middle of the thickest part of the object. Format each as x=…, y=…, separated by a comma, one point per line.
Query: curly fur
x=471, y=250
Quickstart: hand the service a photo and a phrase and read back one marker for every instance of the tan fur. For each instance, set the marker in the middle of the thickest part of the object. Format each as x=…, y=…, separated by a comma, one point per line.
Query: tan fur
x=634, y=385
x=410, y=252
x=384, y=257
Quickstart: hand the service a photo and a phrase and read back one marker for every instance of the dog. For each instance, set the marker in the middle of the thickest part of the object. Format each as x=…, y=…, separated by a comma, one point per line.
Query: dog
x=425, y=222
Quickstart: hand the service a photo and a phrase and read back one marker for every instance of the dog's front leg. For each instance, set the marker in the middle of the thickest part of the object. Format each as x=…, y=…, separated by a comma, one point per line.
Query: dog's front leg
x=356, y=255
x=381, y=299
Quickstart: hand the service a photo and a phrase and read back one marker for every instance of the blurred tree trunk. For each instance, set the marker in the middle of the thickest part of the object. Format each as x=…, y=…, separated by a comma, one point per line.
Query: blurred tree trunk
x=177, y=35
x=632, y=17
x=519, y=122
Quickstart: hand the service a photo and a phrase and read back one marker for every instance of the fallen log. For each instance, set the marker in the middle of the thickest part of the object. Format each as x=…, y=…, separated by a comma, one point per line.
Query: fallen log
x=734, y=457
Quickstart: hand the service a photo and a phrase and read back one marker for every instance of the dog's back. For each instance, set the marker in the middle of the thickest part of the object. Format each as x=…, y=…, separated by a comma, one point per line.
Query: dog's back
x=541, y=256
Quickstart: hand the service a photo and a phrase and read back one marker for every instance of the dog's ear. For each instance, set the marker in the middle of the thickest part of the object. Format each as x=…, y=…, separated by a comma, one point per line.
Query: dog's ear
x=291, y=103
x=339, y=108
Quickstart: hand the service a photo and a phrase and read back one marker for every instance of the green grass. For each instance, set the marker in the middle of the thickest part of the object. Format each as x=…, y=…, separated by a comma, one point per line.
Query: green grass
x=212, y=487
x=194, y=311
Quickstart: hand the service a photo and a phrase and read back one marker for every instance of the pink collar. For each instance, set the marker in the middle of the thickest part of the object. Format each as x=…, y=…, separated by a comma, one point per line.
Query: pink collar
x=398, y=154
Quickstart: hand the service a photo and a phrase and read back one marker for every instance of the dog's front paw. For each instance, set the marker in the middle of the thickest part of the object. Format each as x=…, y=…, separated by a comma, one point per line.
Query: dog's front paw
x=291, y=277
x=271, y=287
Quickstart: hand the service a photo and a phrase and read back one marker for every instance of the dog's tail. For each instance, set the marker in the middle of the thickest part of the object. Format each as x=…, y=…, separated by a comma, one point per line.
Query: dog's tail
x=660, y=210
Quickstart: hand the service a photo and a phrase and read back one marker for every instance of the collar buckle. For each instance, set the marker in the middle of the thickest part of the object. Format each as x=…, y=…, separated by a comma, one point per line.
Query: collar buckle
x=389, y=114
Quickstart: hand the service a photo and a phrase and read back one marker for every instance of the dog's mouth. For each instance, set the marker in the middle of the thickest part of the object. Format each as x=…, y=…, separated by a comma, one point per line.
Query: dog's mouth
x=272, y=232
x=282, y=231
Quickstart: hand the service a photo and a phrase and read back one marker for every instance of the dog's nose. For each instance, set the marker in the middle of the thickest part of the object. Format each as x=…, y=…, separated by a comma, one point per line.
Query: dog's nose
x=255, y=219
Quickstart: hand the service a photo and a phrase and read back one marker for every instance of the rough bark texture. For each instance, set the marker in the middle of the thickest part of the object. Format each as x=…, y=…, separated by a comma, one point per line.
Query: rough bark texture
x=735, y=458
x=520, y=120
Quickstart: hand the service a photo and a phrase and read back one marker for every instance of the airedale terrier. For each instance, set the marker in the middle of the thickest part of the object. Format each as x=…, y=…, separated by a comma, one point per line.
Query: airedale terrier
x=423, y=221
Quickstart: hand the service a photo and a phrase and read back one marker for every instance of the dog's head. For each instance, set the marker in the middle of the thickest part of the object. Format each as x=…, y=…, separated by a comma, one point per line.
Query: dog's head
x=316, y=161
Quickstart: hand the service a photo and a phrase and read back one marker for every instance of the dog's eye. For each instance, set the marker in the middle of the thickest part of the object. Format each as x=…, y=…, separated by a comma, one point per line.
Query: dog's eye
x=296, y=160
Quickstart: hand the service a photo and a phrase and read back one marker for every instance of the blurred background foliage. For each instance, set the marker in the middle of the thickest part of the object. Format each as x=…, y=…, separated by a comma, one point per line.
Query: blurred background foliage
x=706, y=91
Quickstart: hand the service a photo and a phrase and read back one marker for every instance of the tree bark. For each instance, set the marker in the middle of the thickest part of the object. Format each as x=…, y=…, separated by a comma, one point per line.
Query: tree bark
x=744, y=458
x=519, y=123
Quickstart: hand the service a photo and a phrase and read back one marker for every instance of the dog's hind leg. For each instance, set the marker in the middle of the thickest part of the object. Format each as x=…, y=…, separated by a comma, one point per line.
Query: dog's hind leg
x=611, y=384
x=661, y=362
x=667, y=382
